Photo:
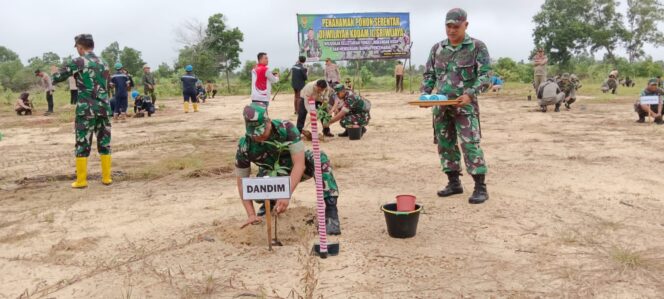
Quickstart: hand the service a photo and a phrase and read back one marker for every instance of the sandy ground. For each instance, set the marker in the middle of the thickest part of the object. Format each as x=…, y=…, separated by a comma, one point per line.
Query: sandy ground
x=576, y=210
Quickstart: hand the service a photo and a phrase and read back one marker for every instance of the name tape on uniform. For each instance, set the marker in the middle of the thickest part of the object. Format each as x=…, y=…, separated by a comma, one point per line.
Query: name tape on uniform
x=649, y=100
x=266, y=188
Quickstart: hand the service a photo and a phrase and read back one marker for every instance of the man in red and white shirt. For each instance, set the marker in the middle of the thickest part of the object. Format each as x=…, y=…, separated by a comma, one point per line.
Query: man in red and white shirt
x=261, y=81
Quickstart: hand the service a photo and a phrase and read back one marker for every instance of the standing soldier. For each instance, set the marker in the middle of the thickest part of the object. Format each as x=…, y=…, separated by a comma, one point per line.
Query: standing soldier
x=539, y=62
x=457, y=67
x=398, y=74
x=354, y=111
x=148, y=84
x=92, y=108
x=189, y=88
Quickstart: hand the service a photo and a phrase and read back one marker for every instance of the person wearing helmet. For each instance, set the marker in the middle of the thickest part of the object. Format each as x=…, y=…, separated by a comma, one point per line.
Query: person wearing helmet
x=149, y=84
x=92, y=108
x=120, y=82
x=189, y=88
x=567, y=86
x=142, y=104
x=200, y=91
x=354, y=112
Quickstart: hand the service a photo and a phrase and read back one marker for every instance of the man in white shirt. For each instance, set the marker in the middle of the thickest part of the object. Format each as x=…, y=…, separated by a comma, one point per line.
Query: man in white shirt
x=262, y=80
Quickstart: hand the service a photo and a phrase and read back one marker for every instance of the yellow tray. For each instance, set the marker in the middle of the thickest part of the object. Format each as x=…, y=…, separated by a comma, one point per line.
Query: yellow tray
x=434, y=103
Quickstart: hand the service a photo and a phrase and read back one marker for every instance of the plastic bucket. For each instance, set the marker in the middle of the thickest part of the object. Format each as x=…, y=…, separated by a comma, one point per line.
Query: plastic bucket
x=401, y=224
x=405, y=203
x=355, y=133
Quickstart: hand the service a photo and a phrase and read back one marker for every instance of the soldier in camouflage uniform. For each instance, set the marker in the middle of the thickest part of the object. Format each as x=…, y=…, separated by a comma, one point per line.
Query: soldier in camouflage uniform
x=650, y=110
x=92, y=108
x=354, y=112
x=569, y=88
x=276, y=148
x=457, y=67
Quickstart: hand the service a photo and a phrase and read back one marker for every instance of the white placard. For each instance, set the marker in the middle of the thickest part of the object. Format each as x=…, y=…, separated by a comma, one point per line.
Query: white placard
x=266, y=188
x=649, y=100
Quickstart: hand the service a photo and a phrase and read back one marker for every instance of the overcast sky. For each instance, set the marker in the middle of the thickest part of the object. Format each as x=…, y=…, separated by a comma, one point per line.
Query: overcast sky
x=31, y=27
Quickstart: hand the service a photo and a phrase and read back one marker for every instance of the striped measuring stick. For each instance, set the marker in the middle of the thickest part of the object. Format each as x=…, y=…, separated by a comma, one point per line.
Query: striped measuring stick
x=318, y=175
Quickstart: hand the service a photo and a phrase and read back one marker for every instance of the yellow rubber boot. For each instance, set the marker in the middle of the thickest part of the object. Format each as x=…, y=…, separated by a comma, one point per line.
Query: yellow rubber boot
x=195, y=107
x=81, y=173
x=186, y=107
x=106, y=170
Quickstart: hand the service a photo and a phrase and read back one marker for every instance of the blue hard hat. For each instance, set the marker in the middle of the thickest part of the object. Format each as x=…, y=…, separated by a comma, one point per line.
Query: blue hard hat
x=134, y=94
x=118, y=66
x=189, y=68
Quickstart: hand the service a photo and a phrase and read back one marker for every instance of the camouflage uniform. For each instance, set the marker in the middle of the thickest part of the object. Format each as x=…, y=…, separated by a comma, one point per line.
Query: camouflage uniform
x=569, y=88
x=643, y=113
x=266, y=154
x=93, y=108
x=357, y=111
x=455, y=71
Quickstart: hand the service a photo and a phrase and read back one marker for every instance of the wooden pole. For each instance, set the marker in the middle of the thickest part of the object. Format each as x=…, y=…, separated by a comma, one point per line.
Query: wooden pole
x=268, y=218
x=410, y=73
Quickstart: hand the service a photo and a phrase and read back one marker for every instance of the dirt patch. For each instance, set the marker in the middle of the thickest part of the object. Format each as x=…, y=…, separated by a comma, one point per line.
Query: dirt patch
x=291, y=227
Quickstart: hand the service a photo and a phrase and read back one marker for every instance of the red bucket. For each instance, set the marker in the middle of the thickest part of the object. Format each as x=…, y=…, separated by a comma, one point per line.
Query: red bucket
x=405, y=203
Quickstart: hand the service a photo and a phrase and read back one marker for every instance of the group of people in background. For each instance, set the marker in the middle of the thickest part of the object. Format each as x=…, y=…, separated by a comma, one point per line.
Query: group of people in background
x=553, y=91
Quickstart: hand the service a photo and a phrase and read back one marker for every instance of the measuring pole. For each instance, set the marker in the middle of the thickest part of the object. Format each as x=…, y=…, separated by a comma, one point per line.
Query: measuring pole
x=318, y=175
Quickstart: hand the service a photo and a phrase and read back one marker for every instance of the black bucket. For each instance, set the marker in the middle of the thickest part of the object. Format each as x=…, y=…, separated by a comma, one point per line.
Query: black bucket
x=354, y=133
x=401, y=224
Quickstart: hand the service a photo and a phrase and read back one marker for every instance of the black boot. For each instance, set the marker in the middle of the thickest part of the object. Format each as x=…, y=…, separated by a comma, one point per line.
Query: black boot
x=658, y=120
x=261, y=210
x=567, y=105
x=344, y=134
x=543, y=108
x=557, y=108
x=453, y=185
x=364, y=130
x=332, y=224
x=326, y=132
x=480, y=194
x=642, y=118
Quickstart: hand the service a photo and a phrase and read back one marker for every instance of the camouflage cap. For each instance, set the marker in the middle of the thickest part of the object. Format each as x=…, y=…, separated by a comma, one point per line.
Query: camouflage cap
x=254, y=118
x=653, y=81
x=83, y=37
x=339, y=87
x=565, y=76
x=456, y=16
x=573, y=77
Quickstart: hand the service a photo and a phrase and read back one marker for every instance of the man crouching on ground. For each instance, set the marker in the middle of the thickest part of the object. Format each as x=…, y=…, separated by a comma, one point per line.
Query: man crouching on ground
x=276, y=148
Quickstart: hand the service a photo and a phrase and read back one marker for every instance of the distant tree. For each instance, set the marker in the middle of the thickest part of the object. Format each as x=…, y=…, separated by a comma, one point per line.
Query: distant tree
x=7, y=55
x=16, y=77
x=607, y=27
x=562, y=29
x=164, y=71
x=643, y=18
x=224, y=45
x=245, y=74
x=44, y=62
x=131, y=60
x=111, y=54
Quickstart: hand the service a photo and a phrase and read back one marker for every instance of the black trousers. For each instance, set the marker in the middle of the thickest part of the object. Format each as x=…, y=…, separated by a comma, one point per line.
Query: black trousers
x=302, y=113
x=49, y=100
x=74, y=96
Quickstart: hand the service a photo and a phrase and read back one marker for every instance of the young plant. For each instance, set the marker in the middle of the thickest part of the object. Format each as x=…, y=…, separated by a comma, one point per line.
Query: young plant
x=277, y=168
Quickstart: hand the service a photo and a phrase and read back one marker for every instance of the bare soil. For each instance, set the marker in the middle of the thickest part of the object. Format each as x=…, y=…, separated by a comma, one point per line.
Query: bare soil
x=576, y=209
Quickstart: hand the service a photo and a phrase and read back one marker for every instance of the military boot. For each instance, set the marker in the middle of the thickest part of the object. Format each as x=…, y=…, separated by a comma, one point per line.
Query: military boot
x=642, y=118
x=364, y=130
x=543, y=108
x=332, y=224
x=480, y=194
x=344, y=134
x=557, y=108
x=453, y=185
